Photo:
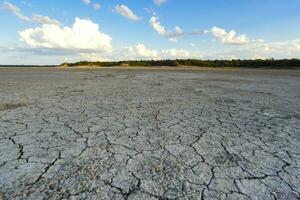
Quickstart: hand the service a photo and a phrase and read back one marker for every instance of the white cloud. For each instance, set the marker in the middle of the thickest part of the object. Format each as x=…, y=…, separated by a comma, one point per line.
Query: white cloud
x=161, y=30
x=159, y=2
x=261, y=50
x=175, y=54
x=171, y=35
x=279, y=50
x=157, y=26
x=126, y=12
x=285, y=49
x=96, y=6
x=87, y=2
x=83, y=35
x=230, y=37
x=93, y=57
x=41, y=19
x=15, y=10
x=140, y=51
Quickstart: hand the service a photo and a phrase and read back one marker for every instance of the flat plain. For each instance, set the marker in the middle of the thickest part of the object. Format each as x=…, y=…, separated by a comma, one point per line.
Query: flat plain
x=149, y=133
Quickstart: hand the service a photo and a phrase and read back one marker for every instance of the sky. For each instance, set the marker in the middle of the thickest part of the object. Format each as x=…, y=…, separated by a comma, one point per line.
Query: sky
x=57, y=31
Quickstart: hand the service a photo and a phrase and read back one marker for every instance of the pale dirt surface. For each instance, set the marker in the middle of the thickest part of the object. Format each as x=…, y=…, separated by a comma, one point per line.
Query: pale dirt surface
x=149, y=134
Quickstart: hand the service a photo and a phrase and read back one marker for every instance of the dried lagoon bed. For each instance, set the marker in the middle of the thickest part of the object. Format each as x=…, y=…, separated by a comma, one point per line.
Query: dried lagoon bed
x=149, y=133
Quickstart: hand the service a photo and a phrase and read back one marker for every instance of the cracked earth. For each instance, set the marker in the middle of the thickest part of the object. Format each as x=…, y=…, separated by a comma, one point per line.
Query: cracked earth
x=149, y=134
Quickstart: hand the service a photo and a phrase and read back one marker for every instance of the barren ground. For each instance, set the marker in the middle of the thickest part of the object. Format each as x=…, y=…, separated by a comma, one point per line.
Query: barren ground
x=149, y=134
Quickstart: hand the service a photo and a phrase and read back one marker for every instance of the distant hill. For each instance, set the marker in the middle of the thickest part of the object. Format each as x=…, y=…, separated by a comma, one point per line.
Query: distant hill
x=270, y=63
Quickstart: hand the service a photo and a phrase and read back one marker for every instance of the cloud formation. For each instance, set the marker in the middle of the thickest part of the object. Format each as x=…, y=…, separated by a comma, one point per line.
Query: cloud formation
x=159, y=2
x=15, y=10
x=83, y=35
x=171, y=35
x=285, y=49
x=41, y=19
x=140, y=51
x=161, y=30
x=126, y=12
x=230, y=37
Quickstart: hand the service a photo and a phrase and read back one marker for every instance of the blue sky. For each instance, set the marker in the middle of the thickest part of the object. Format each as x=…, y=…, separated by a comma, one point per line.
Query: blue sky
x=43, y=32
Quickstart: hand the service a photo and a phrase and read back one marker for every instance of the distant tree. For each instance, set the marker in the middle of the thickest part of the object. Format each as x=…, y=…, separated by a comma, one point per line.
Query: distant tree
x=258, y=63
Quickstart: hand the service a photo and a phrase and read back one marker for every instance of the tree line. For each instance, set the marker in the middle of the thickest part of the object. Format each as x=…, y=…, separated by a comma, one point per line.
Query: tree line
x=269, y=63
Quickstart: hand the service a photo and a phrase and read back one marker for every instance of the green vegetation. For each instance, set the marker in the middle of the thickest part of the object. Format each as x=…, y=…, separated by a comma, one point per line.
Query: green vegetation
x=270, y=63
